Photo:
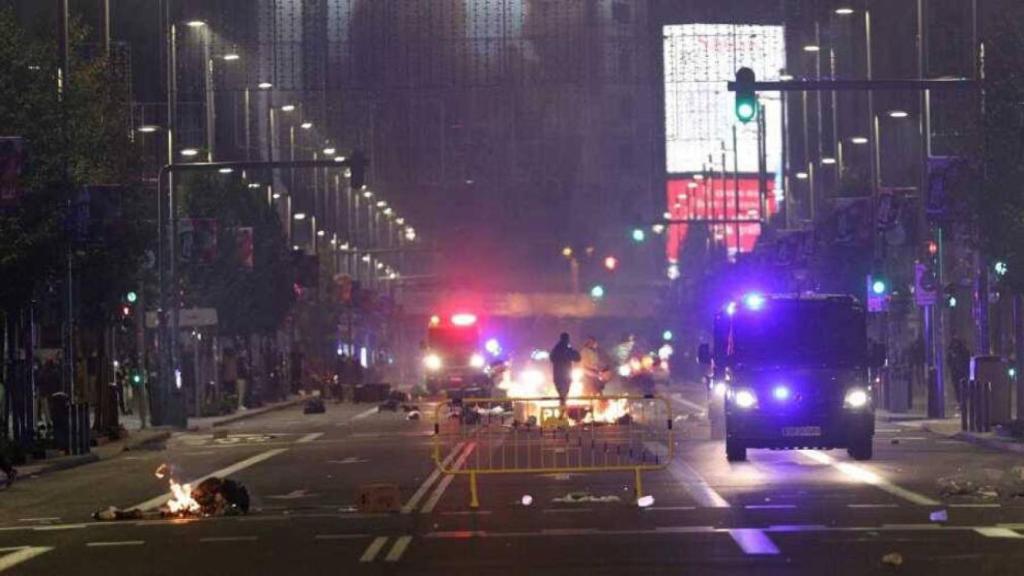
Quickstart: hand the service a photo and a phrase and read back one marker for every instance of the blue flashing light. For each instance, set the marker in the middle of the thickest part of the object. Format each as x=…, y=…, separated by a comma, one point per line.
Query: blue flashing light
x=781, y=393
x=754, y=301
x=730, y=308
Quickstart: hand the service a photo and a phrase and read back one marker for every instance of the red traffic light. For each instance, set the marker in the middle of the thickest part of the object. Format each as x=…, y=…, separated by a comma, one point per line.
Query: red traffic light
x=611, y=263
x=126, y=310
x=933, y=248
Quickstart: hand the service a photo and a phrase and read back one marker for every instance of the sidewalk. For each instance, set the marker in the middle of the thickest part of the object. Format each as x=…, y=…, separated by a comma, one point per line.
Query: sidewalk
x=139, y=437
x=950, y=428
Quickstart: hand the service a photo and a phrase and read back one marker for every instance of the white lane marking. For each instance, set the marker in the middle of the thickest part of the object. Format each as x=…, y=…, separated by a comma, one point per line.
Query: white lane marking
x=975, y=505
x=163, y=498
x=888, y=430
x=395, y=554
x=466, y=513
x=115, y=544
x=679, y=398
x=373, y=549
x=694, y=483
x=366, y=414
x=990, y=532
x=754, y=542
x=309, y=437
x=435, y=497
x=569, y=531
x=770, y=506
x=49, y=519
x=862, y=474
x=670, y=508
x=57, y=527
x=19, y=555
x=340, y=536
x=229, y=539
x=872, y=505
x=566, y=510
x=422, y=490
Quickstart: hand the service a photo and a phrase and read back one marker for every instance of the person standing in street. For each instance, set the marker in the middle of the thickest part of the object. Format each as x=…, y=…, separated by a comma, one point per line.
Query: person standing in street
x=562, y=358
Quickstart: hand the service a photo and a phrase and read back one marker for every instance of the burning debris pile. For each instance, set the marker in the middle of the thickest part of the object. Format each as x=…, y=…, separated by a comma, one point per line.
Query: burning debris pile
x=213, y=496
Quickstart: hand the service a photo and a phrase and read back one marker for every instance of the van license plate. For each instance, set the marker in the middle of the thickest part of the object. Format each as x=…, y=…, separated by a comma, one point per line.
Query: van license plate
x=802, y=431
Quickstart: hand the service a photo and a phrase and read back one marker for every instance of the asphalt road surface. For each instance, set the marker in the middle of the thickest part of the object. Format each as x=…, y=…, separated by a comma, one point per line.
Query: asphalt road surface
x=791, y=512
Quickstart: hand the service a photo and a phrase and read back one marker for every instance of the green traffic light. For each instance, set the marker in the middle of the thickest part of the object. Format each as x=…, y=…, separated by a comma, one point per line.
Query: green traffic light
x=132, y=297
x=639, y=235
x=137, y=378
x=745, y=111
x=597, y=292
x=878, y=287
x=1001, y=268
x=666, y=335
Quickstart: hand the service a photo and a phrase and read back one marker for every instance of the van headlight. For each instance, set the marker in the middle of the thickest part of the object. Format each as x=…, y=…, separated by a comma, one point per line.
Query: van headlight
x=856, y=398
x=744, y=398
x=432, y=362
x=719, y=388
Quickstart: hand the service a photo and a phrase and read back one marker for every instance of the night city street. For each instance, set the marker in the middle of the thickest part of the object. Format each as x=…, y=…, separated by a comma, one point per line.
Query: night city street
x=779, y=513
x=524, y=287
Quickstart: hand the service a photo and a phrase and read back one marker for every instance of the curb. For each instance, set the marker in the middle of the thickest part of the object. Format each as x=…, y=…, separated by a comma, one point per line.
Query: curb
x=257, y=412
x=162, y=436
x=65, y=463
x=992, y=443
x=95, y=455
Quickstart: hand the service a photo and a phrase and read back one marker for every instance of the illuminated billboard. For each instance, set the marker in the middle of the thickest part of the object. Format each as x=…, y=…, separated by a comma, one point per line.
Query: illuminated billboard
x=699, y=114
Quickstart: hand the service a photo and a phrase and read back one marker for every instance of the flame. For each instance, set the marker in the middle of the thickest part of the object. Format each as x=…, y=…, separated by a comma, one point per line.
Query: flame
x=181, y=501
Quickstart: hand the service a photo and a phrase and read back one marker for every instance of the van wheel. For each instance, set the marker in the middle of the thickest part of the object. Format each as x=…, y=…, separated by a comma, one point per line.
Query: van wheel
x=861, y=448
x=734, y=451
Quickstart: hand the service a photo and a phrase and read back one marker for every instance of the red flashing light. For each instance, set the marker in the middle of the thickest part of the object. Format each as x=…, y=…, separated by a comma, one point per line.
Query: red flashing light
x=463, y=319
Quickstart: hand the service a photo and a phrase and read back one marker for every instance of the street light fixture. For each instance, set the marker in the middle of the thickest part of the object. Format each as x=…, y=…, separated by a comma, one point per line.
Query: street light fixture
x=340, y=158
x=367, y=194
x=400, y=221
x=226, y=170
x=382, y=204
x=307, y=125
x=195, y=23
x=231, y=57
x=860, y=140
x=321, y=233
x=812, y=48
x=388, y=212
x=147, y=128
x=844, y=11
x=898, y=114
x=801, y=175
x=299, y=216
x=190, y=152
x=276, y=195
x=828, y=161
x=264, y=85
x=288, y=108
x=330, y=151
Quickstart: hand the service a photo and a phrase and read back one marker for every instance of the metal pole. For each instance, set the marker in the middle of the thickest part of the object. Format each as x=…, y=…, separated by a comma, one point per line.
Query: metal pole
x=1018, y=348
x=105, y=27
x=248, y=123
x=869, y=59
x=210, y=114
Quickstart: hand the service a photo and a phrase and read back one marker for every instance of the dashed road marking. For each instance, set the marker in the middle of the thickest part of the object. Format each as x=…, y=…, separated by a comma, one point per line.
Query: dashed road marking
x=373, y=549
x=770, y=506
x=754, y=542
x=872, y=505
x=395, y=554
x=309, y=437
x=446, y=481
x=866, y=476
x=422, y=490
x=223, y=472
x=977, y=505
x=19, y=555
x=47, y=519
x=115, y=544
x=991, y=532
x=365, y=414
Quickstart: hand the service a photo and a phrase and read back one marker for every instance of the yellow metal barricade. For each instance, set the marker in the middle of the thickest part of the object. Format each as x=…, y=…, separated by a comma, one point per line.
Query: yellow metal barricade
x=480, y=436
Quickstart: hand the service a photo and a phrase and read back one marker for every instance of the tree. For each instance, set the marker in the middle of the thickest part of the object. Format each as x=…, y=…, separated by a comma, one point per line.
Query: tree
x=76, y=138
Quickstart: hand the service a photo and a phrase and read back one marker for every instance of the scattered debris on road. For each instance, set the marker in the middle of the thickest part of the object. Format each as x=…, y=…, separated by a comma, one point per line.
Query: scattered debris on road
x=314, y=405
x=894, y=559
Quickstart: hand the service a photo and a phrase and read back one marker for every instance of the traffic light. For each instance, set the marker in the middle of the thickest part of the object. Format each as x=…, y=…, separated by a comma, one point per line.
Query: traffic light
x=746, y=97
x=136, y=377
x=131, y=297
x=667, y=335
x=639, y=235
x=878, y=293
x=597, y=292
x=1001, y=268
